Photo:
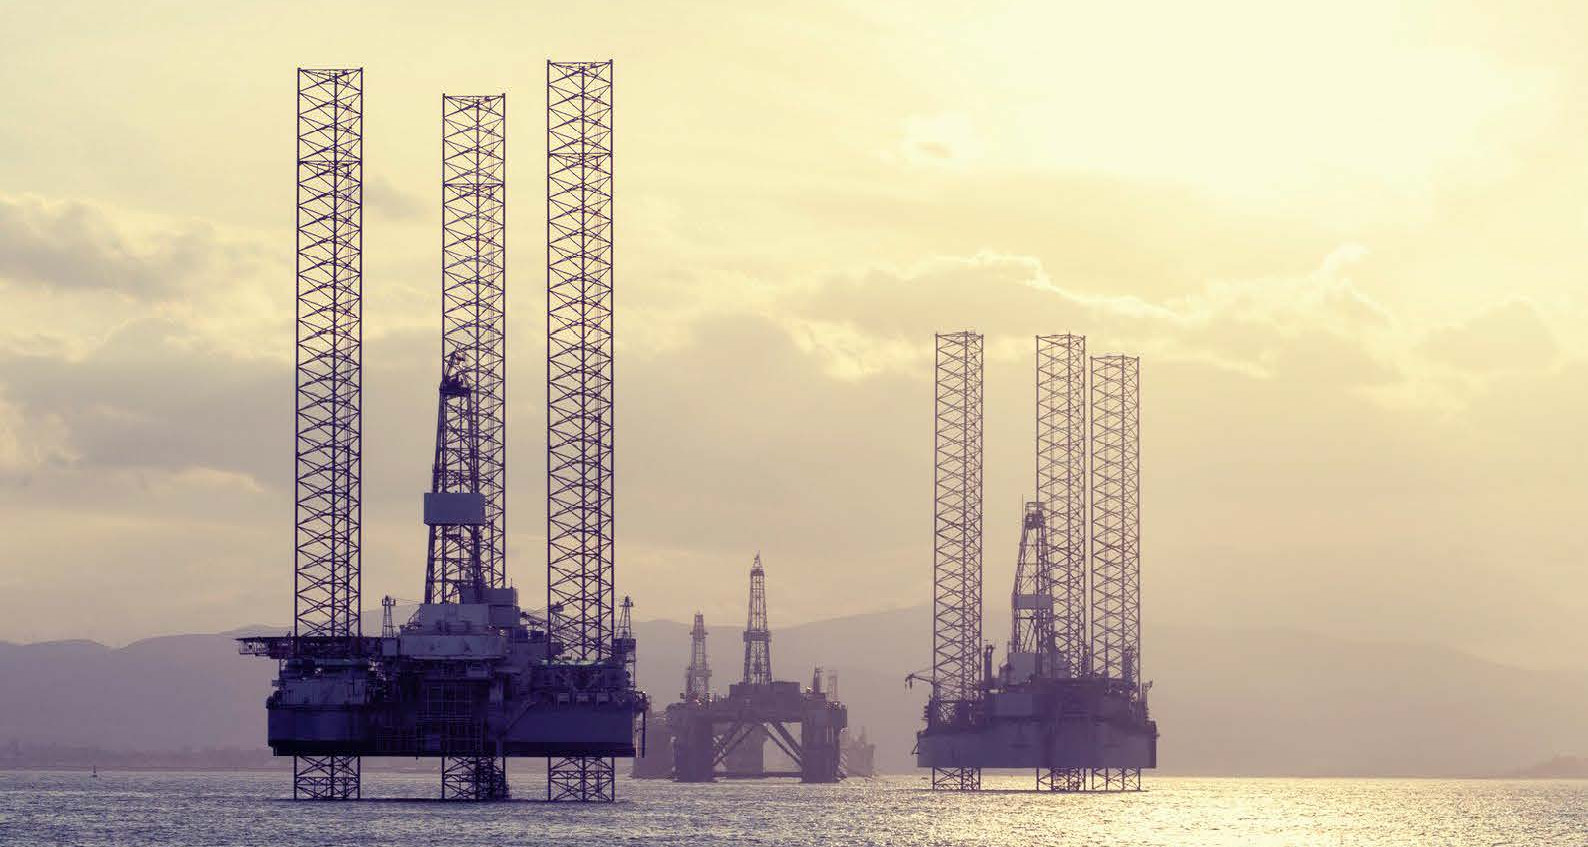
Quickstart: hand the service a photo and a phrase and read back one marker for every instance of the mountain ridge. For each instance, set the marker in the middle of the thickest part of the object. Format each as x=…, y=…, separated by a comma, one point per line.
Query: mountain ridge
x=1266, y=701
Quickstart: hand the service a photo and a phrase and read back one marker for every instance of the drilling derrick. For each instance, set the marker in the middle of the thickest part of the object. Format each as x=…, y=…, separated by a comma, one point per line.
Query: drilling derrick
x=757, y=638
x=330, y=173
x=1031, y=604
x=697, y=677
x=579, y=374
x=957, y=546
x=466, y=509
x=455, y=506
x=624, y=644
x=471, y=448
x=744, y=753
x=1116, y=537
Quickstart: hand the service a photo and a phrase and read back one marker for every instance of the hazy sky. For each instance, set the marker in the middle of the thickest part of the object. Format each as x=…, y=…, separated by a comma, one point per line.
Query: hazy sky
x=1348, y=244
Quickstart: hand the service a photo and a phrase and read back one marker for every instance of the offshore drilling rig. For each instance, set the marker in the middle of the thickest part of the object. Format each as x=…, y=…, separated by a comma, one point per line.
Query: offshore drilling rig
x=1068, y=700
x=656, y=760
x=857, y=756
x=716, y=736
x=471, y=677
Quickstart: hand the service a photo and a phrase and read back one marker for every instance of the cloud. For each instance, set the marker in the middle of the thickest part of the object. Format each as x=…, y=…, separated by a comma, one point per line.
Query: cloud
x=384, y=197
x=29, y=443
x=72, y=245
x=149, y=398
x=883, y=318
x=1509, y=336
x=942, y=139
x=797, y=421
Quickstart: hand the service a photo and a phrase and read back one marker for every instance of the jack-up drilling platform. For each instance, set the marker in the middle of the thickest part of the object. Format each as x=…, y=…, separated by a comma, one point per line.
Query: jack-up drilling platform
x=1068, y=700
x=471, y=677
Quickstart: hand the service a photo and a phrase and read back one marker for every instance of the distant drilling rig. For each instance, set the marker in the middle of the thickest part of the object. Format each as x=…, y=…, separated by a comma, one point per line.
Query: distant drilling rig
x=725, y=736
x=1068, y=700
x=470, y=678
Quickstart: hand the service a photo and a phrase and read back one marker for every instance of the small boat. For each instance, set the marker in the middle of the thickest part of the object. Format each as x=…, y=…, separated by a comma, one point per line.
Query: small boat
x=95, y=774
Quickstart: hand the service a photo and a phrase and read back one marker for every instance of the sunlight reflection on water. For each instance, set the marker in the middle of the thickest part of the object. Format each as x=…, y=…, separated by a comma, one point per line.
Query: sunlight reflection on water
x=246, y=809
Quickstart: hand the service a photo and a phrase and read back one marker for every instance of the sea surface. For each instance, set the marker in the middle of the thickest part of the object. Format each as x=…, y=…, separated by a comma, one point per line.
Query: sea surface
x=214, y=809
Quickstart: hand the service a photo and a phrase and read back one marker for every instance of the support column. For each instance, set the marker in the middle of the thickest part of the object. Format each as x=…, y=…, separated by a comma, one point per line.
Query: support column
x=328, y=401
x=957, y=545
x=1062, y=489
x=471, y=444
x=1116, y=538
x=579, y=377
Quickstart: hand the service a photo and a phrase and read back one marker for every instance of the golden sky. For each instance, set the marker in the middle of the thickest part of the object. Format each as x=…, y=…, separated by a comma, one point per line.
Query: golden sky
x=1347, y=242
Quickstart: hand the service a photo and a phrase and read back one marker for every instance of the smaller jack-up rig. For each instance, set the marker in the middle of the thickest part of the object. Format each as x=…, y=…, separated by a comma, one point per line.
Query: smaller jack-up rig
x=1068, y=701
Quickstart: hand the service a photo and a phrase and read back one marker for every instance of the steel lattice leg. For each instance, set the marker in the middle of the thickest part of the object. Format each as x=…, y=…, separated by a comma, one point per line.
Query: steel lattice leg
x=1064, y=780
x=581, y=779
x=328, y=426
x=325, y=777
x=1115, y=779
x=474, y=778
x=956, y=779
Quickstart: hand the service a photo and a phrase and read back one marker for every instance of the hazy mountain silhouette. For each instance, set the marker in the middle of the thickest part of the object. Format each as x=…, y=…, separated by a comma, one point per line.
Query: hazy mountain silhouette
x=1250, y=702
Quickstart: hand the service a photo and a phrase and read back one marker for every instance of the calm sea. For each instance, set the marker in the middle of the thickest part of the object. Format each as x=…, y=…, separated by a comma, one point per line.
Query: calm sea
x=216, y=809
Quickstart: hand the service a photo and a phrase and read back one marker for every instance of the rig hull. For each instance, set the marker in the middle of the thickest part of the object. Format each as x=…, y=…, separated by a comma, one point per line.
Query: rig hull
x=726, y=737
x=460, y=679
x=1081, y=723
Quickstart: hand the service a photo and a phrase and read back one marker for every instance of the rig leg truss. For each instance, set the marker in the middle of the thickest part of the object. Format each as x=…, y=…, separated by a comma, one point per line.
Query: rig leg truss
x=471, y=449
x=581, y=779
x=579, y=372
x=473, y=778
x=957, y=544
x=325, y=777
x=1116, y=534
x=330, y=156
x=1061, y=489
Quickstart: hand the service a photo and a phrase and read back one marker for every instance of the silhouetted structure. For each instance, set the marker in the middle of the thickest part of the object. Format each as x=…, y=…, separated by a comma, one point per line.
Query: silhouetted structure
x=1116, y=547
x=656, y=758
x=623, y=643
x=467, y=515
x=330, y=248
x=726, y=736
x=1070, y=706
x=957, y=545
x=697, y=677
x=1061, y=491
x=656, y=761
x=757, y=637
x=579, y=402
x=1061, y=488
x=470, y=677
x=857, y=755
